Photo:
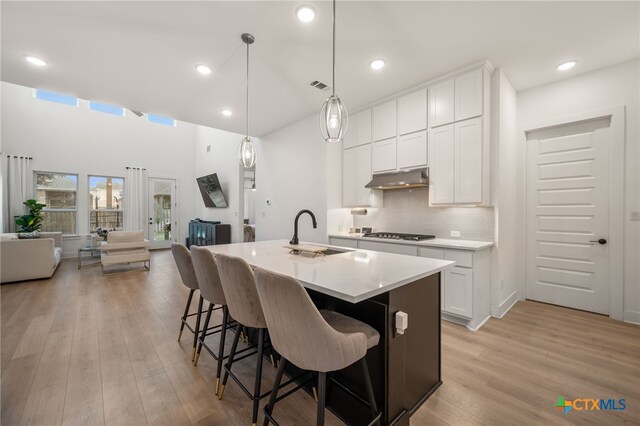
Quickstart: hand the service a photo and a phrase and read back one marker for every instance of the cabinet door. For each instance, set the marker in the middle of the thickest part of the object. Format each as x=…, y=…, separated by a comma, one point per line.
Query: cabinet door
x=457, y=288
x=384, y=121
x=363, y=129
x=412, y=112
x=349, y=180
x=441, y=165
x=412, y=150
x=388, y=247
x=384, y=155
x=468, y=161
x=363, y=176
x=468, y=90
x=441, y=103
x=343, y=242
x=359, y=132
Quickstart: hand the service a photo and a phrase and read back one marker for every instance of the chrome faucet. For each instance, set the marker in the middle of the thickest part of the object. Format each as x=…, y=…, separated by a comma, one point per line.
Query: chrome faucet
x=294, y=240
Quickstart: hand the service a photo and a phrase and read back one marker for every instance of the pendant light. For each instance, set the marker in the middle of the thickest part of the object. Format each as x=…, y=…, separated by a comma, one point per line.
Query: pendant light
x=334, y=118
x=246, y=152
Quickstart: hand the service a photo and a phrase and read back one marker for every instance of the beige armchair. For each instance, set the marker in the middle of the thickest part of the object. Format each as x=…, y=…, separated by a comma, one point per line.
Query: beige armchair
x=124, y=247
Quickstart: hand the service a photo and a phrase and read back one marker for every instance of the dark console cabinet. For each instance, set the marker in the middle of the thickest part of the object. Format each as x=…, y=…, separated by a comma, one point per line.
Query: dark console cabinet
x=203, y=233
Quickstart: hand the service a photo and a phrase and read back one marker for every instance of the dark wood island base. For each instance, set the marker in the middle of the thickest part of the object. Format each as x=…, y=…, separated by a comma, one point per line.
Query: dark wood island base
x=405, y=368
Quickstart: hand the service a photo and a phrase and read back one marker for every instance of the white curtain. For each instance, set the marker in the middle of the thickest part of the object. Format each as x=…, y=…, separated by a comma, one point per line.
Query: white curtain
x=17, y=187
x=135, y=199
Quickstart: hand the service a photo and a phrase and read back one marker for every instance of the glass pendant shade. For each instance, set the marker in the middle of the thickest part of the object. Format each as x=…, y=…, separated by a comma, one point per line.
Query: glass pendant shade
x=334, y=120
x=247, y=153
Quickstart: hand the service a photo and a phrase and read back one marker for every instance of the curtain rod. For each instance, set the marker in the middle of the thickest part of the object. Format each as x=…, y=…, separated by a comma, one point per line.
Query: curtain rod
x=135, y=168
x=20, y=156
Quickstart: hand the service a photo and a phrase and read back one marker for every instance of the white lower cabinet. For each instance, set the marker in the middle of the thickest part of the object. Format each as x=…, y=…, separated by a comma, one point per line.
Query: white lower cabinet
x=343, y=242
x=388, y=247
x=466, y=287
x=457, y=292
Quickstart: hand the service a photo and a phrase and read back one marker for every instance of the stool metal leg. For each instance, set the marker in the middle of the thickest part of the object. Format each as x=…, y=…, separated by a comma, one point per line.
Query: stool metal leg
x=367, y=381
x=232, y=354
x=274, y=390
x=322, y=390
x=225, y=320
x=197, y=330
x=256, y=389
x=204, y=333
x=186, y=312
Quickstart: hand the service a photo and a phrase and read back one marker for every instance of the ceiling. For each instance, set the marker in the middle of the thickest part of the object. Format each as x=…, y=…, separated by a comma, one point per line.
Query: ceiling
x=142, y=55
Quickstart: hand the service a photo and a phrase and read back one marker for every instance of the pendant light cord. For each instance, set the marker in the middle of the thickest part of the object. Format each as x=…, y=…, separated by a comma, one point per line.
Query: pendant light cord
x=333, y=77
x=247, y=111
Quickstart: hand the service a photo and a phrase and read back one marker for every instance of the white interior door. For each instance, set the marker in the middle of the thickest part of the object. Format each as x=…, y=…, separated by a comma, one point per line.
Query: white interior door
x=567, y=213
x=162, y=212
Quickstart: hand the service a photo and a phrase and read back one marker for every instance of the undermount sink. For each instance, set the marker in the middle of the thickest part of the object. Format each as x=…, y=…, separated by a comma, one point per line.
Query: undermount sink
x=329, y=252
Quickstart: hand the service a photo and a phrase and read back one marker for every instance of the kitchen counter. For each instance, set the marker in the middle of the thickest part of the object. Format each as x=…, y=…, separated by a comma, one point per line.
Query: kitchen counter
x=435, y=242
x=372, y=287
x=353, y=276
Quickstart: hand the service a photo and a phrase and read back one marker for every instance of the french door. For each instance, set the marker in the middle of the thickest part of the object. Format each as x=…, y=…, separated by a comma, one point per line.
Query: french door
x=162, y=212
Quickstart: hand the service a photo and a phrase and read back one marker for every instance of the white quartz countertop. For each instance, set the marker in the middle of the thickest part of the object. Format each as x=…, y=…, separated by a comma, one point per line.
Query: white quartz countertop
x=354, y=275
x=435, y=242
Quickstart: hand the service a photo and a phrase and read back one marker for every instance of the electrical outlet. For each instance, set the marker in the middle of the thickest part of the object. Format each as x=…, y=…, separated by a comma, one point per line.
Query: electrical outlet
x=635, y=215
x=264, y=214
x=455, y=234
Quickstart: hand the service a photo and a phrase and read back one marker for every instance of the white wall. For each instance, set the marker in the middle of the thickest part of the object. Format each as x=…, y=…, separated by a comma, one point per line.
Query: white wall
x=613, y=86
x=291, y=175
x=68, y=139
x=222, y=158
x=505, y=151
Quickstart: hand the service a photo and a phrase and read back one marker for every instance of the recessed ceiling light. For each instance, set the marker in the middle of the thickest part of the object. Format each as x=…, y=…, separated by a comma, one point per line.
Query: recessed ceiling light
x=203, y=69
x=305, y=13
x=377, y=64
x=35, y=61
x=566, y=65
x=227, y=112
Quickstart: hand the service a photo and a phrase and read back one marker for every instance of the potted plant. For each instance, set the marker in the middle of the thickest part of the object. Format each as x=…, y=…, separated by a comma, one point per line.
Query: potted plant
x=31, y=223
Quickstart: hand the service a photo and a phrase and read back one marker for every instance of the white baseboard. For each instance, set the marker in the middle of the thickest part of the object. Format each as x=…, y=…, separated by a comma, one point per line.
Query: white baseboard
x=466, y=322
x=506, y=305
x=632, y=317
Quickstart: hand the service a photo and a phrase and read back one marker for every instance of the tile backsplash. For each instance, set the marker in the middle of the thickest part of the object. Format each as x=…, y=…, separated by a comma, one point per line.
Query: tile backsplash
x=408, y=211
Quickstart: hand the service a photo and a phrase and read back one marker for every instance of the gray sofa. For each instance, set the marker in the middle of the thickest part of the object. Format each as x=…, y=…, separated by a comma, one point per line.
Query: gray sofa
x=29, y=259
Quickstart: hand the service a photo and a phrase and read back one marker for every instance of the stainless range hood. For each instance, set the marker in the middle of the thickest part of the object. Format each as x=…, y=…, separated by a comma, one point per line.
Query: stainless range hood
x=400, y=180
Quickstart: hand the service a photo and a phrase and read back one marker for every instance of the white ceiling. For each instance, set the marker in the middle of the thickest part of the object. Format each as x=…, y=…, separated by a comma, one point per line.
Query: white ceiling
x=142, y=55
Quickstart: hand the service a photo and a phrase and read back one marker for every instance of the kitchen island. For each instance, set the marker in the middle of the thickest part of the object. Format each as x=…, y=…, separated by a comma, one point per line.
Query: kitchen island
x=372, y=287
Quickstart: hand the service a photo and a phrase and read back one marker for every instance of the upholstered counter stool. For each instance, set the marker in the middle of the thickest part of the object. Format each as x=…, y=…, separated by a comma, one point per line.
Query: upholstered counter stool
x=320, y=341
x=206, y=271
x=238, y=284
x=182, y=256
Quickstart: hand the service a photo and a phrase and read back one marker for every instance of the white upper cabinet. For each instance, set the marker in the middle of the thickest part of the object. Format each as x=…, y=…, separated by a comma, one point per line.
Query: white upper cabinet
x=468, y=161
x=359, y=132
x=384, y=156
x=384, y=121
x=441, y=159
x=412, y=150
x=441, y=102
x=468, y=90
x=412, y=112
x=356, y=174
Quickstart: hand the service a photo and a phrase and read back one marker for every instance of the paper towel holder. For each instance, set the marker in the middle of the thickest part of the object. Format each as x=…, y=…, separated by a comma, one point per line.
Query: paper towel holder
x=359, y=212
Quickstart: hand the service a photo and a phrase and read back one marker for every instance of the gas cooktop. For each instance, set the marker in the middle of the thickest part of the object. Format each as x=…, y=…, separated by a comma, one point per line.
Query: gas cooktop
x=398, y=236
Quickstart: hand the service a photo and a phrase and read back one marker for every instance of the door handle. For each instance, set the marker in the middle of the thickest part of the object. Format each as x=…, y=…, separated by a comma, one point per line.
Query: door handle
x=599, y=241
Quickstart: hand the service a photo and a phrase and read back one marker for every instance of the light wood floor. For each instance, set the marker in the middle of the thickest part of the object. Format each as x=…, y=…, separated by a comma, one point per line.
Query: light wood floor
x=85, y=349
